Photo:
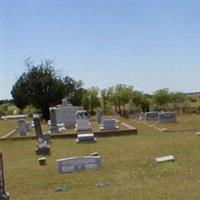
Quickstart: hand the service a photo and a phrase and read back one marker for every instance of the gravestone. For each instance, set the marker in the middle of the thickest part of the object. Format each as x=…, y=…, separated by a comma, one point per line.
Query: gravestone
x=32, y=124
x=42, y=161
x=99, y=114
x=78, y=163
x=167, y=117
x=23, y=129
x=61, y=127
x=3, y=194
x=165, y=158
x=151, y=116
x=53, y=127
x=65, y=113
x=38, y=129
x=42, y=147
x=87, y=137
x=82, y=122
x=108, y=123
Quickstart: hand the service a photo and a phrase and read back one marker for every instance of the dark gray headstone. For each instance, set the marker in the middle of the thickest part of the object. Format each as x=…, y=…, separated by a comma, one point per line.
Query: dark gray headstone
x=42, y=161
x=167, y=117
x=86, y=137
x=3, y=194
x=38, y=129
x=151, y=116
x=42, y=148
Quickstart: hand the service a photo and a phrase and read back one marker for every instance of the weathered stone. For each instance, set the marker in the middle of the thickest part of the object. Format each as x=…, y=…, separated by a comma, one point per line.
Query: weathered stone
x=42, y=161
x=43, y=148
x=87, y=137
x=167, y=117
x=165, y=158
x=151, y=116
x=23, y=129
x=78, y=163
x=99, y=114
x=38, y=129
x=82, y=121
x=3, y=194
x=102, y=184
x=108, y=123
x=53, y=127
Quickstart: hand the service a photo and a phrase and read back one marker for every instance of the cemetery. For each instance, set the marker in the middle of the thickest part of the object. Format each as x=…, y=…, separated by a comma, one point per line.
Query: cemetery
x=184, y=123
x=123, y=166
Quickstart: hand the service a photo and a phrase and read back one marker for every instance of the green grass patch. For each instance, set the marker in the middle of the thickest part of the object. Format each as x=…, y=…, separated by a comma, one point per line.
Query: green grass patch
x=128, y=166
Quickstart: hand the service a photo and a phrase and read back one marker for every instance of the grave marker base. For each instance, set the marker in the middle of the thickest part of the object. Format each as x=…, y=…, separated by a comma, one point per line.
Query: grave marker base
x=42, y=161
x=43, y=151
x=4, y=196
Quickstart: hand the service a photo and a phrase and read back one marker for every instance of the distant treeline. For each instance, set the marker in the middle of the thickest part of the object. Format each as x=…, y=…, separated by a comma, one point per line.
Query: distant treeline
x=41, y=87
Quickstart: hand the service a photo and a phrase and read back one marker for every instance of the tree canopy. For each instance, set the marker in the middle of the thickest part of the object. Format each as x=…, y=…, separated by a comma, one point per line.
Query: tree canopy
x=42, y=87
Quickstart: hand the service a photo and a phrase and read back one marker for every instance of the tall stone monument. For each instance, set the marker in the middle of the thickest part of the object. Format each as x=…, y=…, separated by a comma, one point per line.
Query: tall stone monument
x=54, y=127
x=42, y=147
x=3, y=194
x=38, y=129
x=65, y=113
x=99, y=114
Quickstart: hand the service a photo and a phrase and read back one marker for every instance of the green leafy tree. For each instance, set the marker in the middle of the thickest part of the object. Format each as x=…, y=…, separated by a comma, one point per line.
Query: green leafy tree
x=38, y=86
x=74, y=90
x=178, y=99
x=90, y=99
x=162, y=97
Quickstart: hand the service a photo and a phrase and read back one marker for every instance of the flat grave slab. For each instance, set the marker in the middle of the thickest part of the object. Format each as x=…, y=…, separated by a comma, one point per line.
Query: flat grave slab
x=165, y=158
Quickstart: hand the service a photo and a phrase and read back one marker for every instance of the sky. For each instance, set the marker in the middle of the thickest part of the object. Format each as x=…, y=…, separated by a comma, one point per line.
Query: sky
x=147, y=44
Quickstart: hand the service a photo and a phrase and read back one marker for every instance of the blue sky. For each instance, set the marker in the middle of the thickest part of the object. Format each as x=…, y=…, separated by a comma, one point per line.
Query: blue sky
x=147, y=44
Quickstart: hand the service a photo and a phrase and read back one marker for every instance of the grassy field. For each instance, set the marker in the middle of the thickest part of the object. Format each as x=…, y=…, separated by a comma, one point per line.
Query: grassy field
x=127, y=165
x=6, y=126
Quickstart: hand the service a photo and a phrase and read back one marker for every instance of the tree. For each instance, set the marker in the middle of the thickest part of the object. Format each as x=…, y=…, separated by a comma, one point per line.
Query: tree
x=38, y=86
x=178, y=99
x=105, y=98
x=90, y=99
x=120, y=95
x=162, y=97
x=74, y=90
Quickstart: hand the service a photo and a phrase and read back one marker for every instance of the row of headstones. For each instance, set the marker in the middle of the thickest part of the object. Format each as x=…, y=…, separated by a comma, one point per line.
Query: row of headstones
x=162, y=117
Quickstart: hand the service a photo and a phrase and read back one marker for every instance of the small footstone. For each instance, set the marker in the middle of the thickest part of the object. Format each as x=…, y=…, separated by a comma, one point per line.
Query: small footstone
x=102, y=184
x=94, y=154
x=42, y=161
x=165, y=158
